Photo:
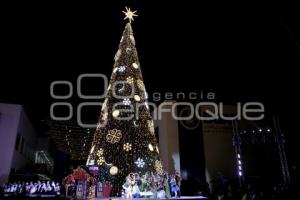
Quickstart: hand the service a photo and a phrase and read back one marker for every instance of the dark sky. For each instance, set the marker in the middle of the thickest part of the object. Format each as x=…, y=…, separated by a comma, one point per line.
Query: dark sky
x=241, y=51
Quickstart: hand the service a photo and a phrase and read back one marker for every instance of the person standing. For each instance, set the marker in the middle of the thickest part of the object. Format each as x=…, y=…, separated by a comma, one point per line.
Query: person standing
x=178, y=183
x=167, y=186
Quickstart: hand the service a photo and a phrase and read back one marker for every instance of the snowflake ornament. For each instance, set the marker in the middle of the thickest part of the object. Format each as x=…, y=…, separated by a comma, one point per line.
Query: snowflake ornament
x=100, y=152
x=127, y=147
x=129, y=80
x=121, y=68
x=100, y=160
x=126, y=102
x=140, y=163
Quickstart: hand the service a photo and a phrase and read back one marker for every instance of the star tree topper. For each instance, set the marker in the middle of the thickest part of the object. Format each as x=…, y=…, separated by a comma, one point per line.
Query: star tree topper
x=129, y=14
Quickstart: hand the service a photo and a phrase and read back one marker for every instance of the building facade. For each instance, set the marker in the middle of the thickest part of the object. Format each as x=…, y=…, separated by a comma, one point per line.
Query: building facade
x=19, y=144
x=200, y=151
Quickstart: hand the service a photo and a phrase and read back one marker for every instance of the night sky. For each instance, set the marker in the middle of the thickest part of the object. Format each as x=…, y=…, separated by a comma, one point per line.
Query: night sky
x=240, y=51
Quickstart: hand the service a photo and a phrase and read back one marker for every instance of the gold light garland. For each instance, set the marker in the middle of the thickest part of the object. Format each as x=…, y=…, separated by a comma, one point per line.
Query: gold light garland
x=140, y=85
x=118, y=54
x=104, y=116
x=157, y=149
x=104, y=105
x=151, y=127
x=159, y=167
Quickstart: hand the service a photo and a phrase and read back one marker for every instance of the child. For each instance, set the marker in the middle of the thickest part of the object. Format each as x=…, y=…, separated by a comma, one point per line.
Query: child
x=174, y=186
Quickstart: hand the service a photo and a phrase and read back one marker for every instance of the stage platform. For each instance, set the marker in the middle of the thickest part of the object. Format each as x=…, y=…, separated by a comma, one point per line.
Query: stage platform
x=183, y=197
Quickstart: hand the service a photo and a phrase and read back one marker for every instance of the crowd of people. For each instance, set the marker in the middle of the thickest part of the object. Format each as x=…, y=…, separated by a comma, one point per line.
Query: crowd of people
x=32, y=188
x=151, y=185
x=224, y=189
x=250, y=192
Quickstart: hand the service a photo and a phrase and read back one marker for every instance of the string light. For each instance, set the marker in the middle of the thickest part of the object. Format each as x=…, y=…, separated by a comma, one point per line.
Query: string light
x=140, y=85
x=129, y=144
x=151, y=127
x=137, y=98
x=104, y=105
x=159, y=167
x=116, y=113
x=118, y=54
x=128, y=50
x=239, y=164
x=113, y=170
x=70, y=138
x=132, y=40
x=135, y=66
x=157, y=149
x=104, y=116
x=150, y=147
x=92, y=149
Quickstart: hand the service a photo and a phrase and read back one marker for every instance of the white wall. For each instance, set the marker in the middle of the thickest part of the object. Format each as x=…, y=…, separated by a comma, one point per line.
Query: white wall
x=169, y=141
x=219, y=151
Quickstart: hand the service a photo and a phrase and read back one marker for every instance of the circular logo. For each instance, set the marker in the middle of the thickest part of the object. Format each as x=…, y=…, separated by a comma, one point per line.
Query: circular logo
x=189, y=124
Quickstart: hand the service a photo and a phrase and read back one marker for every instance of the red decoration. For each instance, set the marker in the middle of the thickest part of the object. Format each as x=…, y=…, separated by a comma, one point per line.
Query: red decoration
x=79, y=174
x=69, y=179
x=107, y=190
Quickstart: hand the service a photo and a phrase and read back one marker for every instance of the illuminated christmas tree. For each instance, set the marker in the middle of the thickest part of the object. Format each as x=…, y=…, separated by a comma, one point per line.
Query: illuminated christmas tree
x=124, y=141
